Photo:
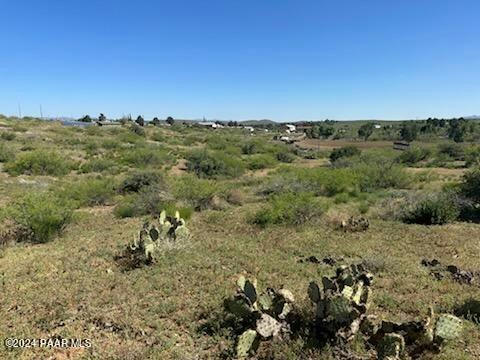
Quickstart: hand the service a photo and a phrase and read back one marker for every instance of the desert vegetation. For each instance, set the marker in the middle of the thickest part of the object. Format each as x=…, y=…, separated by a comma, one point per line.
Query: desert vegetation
x=144, y=230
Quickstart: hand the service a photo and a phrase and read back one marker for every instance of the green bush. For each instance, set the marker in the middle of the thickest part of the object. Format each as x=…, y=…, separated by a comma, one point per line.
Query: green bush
x=88, y=192
x=39, y=163
x=455, y=151
x=8, y=136
x=137, y=130
x=261, y=161
x=414, y=155
x=43, y=213
x=347, y=151
x=97, y=165
x=6, y=154
x=285, y=157
x=289, y=209
x=470, y=185
x=136, y=181
x=146, y=156
x=194, y=191
x=433, y=209
x=472, y=156
x=214, y=164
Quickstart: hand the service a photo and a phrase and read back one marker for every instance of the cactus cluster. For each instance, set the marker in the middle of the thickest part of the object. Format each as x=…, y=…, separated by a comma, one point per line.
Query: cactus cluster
x=355, y=224
x=394, y=341
x=265, y=313
x=343, y=301
x=152, y=237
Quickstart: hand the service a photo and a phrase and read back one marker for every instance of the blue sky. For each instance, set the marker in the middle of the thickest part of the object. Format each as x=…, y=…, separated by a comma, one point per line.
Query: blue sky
x=250, y=59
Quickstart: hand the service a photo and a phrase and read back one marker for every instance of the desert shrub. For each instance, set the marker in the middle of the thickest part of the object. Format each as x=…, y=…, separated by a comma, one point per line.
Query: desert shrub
x=472, y=156
x=6, y=154
x=342, y=152
x=44, y=214
x=39, y=163
x=194, y=191
x=261, y=161
x=289, y=209
x=111, y=144
x=320, y=181
x=433, y=209
x=470, y=185
x=136, y=181
x=455, y=151
x=251, y=147
x=235, y=197
x=285, y=157
x=8, y=136
x=137, y=130
x=414, y=155
x=89, y=191
x=214, y=164
x=98, y=165
x=150, y=200
x=146, y=156
x=158, y=136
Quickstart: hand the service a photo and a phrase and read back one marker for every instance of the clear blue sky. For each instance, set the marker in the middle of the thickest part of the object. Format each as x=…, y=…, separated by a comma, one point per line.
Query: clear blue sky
x=248, y=59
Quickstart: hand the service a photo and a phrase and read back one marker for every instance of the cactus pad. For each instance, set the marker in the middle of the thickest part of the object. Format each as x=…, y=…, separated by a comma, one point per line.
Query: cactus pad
x=267, y=326
x=246, y=343
x=448, y=327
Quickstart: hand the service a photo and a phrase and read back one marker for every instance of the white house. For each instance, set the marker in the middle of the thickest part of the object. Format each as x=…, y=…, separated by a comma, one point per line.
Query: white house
x=210, y=124
x=377, y=126
x=290, y=128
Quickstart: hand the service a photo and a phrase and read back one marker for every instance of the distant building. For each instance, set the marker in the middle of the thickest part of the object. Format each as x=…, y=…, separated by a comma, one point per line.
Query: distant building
x=290, y=128
x=209, y=124
x=249, y=128
x=401, y=145
x=377, y=126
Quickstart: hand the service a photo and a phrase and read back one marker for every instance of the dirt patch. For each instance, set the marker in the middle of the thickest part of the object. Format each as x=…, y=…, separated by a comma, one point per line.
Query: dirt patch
x=180, y=168
x=439, y=171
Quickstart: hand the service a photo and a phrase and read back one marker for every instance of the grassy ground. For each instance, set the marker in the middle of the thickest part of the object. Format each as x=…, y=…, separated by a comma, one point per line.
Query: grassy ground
x=72, y=287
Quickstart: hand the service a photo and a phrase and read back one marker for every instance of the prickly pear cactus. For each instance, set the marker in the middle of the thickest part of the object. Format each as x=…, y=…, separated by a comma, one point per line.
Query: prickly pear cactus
x=344, y=300
x=447, y=327
x=264, y=313
x=246, y=343
x=153, y=238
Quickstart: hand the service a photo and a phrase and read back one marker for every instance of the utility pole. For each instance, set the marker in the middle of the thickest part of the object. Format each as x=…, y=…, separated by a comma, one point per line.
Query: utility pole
x=41, y=112
x=19, y=111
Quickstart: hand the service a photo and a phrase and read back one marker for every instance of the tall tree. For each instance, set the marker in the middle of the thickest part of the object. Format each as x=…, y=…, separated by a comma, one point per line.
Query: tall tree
x=409, y=131
x=102, y=117
x=366, y=130
x=170, y=120
x=140, y=121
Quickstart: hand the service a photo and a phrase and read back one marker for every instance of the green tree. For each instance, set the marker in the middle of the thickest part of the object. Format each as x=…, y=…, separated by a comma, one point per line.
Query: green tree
x=457, y=129
x=86, y=118
x=140, y=121
x=156, y=121
x=409, y=131
x=102, y=117
x=366, y=130
x=170, y=120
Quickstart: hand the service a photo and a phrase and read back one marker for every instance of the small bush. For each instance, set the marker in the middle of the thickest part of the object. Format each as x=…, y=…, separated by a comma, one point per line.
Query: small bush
x=347, y=151
x=285, y=157
x=6, y=154
x=470, y=185
x=250, y=148
x=137, y=130
x=140, y=179
x=39, y=163
x=8, y=136
x=455, y=151
x=97, y=165
x=89, y=192
x=194, y=191
x=42, y=213
x=142, y=157
x=261, y=161
x=472, y=156
x=150, y=200
x=433, y=209
x=414, y=155
x=289, y=209
x=214, y=165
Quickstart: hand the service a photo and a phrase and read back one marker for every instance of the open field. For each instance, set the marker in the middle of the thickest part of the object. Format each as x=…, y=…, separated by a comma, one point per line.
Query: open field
x=253, y=206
